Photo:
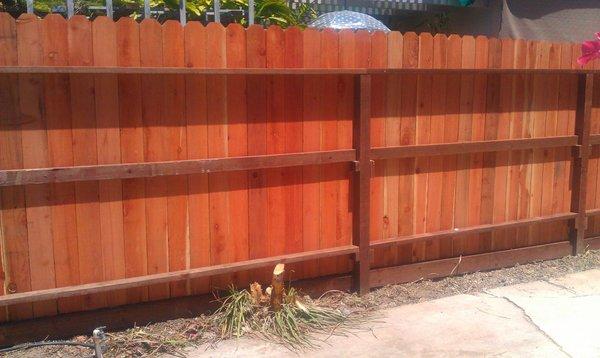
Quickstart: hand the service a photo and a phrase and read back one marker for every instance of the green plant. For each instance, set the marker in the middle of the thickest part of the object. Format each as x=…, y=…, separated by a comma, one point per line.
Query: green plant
x=267, y=12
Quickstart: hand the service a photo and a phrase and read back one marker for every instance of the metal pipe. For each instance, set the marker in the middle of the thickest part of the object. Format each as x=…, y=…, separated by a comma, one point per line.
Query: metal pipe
x=109, y=8
x=250, y=12
x=217, y=9
x=146, y=9
x=182, y=12
x=70, y=9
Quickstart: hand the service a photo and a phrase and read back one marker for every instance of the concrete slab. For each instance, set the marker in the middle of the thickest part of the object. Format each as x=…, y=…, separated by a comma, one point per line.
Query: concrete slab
x=457, y=326
x=567, y=310
x=555, y=318
x=583, y=283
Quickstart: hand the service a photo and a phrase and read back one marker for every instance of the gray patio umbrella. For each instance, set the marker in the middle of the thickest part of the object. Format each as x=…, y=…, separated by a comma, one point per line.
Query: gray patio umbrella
x=348, y=20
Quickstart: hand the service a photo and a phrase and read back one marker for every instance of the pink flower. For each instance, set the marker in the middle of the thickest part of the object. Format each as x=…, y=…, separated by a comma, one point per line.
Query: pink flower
x=590, y=50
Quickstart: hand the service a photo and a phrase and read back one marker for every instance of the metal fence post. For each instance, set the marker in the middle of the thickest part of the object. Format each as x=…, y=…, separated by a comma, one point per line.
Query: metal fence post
x=147, y=9
x=585, y=90
x=30, y=6
x=361, y=187
x=109, y=9
x=182, y=13
x=250, y=12
x=70, y=9
x=217, y=10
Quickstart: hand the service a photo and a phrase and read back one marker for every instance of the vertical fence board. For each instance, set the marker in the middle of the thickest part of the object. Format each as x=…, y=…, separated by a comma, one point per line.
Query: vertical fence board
x=538, y=126
x=256, y=87
x=311, y=133
x=292, y=180
x=461, y=200
x=423, y=130
x=521, y=130
x=155, y=119
x=132, y=151
x=238, y=146
x=34, y=140
x=491, y=127
x=197, y=143
x=57, y=103
x=408, y=105
x=393, y=125
x=276, y=209
x=436, y=135
x=217, y=147
x=329, y=141
x=378, y=59
x=477, y=134
x=85, y=153
x=14, y=244
x=176, y=149
x=505, y=105
x=104, y=40
x=551, y=233
x=451, y=131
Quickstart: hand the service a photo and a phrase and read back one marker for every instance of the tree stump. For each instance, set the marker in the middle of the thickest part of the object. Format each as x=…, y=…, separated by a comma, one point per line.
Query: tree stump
x=277, y=287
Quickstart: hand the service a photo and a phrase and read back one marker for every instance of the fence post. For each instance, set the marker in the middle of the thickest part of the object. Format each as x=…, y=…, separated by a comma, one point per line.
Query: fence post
x=109, y=9
x=70, y=8
x=217, y=10
x=147, y=12
x=585, y=89
x=361, y=187
x=182, y=13
x=30, y=6
x=250, y=12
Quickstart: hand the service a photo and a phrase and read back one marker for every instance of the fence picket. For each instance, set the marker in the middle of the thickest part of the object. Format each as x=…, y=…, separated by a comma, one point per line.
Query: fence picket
x=154, y=117
x=218, y=120
x=197, y=144
x=34, y=141
x=311, y=141
x=57, y=103
x=132, y=150
x=85, y=153
x=14, y=244
x=451, y=130
x=329, y=140
x=292, y=180
x=237, y=147
x=175, y=149
x=104, y=40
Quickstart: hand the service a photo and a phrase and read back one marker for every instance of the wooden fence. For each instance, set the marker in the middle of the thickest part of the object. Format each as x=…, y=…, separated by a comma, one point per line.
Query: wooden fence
x=145, y=161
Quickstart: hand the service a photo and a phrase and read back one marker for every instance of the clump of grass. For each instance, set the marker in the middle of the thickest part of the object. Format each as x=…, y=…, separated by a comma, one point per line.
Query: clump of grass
x=297, y=325
x=233, y=313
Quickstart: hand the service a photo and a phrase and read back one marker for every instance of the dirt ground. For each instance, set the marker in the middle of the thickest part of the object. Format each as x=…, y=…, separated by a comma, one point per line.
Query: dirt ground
x=172, y=337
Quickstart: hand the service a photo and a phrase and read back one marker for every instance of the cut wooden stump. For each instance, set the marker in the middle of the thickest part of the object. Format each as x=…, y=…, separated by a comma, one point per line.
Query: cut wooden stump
x=277, y=287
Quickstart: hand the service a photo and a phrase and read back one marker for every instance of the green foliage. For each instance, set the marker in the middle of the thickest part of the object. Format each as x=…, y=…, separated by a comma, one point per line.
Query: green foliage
x=267, y=12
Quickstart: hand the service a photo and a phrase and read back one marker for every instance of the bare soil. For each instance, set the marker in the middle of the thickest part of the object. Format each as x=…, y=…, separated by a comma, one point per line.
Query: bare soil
x=172, y=337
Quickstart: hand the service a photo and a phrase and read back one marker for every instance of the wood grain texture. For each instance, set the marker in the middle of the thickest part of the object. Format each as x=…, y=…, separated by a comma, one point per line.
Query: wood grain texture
x=34, y=141
x=132, y=150
x=14, y=235
x=141, y=149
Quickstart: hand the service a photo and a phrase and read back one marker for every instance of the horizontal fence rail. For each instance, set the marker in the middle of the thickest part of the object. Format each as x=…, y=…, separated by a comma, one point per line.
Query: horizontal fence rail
x=471, y=230
x=472, y=147
x=181, y=167
x=36, y=296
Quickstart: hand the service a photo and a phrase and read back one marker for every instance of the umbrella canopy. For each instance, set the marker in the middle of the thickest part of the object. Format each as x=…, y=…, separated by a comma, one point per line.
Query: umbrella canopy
x=348, y=20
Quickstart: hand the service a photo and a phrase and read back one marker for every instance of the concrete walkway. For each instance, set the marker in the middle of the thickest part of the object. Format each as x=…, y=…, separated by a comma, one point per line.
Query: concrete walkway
x=555, y=318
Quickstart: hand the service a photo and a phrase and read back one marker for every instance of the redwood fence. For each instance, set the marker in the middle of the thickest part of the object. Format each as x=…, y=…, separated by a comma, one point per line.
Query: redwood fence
x=145, y=161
